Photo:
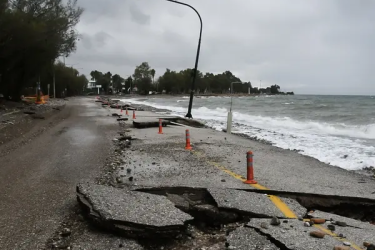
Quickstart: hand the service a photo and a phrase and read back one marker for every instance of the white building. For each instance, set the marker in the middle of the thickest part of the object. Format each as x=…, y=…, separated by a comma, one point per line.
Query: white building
x=91, y=84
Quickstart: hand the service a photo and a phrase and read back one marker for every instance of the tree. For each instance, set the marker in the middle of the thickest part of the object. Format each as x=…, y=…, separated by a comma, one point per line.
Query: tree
x=117, y=81
x=142, y=78
x=173, y=82
x=275, y=89
x=153, y=75
x=128, y=84
x=33, y=34
x=68, y=81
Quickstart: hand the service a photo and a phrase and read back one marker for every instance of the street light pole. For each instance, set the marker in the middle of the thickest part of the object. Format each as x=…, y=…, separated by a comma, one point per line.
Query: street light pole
x=188, y=115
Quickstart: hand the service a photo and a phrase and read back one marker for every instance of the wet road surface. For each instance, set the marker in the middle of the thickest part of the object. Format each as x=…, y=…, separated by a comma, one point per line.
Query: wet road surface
x=38, y=180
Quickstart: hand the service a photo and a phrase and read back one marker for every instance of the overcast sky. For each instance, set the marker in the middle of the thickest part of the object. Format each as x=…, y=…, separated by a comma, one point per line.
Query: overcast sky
x=310, y=47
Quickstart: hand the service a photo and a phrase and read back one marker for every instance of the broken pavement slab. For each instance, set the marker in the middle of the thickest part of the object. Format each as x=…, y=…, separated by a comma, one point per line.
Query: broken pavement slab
x=245, y=238
x=293, y=235
x=130, y=212
x=258, y=205
x=356, y=231
x=149, y=122
x=350, y=222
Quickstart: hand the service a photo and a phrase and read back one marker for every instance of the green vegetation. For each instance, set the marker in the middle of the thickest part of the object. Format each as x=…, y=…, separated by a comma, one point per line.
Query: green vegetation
x=173, y=82
x=33, y=34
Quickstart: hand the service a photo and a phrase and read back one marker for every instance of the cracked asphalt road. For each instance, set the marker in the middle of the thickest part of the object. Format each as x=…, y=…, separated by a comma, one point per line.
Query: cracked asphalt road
x=38, y=180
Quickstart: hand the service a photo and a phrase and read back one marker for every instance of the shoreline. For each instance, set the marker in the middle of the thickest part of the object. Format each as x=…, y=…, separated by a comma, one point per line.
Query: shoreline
x=369, y=171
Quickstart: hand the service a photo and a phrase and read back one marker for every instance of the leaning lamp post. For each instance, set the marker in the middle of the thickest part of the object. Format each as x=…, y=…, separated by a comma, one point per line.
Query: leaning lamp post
x=188, y=115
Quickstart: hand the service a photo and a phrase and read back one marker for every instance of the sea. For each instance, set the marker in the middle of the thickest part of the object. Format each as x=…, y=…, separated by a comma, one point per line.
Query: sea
x=337, y=130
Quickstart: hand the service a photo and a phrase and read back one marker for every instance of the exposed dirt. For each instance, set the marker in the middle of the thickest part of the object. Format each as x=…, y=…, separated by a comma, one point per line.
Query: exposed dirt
x=18, y=128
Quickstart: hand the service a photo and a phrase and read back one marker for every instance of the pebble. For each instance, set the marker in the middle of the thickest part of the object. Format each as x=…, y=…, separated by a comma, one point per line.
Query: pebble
x=341, y=223
x=331, y=227
x=222, y=180
x=318, y=220
x=306, y=224
x=341, y=236
x=264, y=225
x=341, y=248
x=131, y=178
x=300, y=217
x=366, y=244
x=347, y=243
x=66, y=232
x=275, y=221
x=317, y=234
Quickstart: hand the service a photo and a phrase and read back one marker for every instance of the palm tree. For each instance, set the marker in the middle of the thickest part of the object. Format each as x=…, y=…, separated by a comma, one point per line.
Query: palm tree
x=153, y=75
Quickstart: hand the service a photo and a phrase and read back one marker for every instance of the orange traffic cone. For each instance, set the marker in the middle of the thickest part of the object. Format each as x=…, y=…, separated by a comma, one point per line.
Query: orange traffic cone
x=160, y=126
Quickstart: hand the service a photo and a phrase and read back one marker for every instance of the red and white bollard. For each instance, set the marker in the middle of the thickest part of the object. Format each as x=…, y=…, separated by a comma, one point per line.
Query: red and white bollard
x=160, y=126
x=188, y=146
x=126, y=111
x=250, y=169
x=133, y=114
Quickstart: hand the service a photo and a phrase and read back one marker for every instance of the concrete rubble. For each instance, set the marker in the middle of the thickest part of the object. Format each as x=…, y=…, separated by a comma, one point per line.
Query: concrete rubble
x=130, y=212
x=293, y=235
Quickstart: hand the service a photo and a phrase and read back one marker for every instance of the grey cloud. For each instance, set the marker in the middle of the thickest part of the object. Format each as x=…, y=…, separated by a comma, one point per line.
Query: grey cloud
x=101, y=38
x=321, y=47
x=138, y=16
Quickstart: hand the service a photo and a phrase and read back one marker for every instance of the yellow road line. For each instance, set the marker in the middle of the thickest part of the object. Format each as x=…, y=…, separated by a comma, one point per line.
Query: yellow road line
x=276, y=200
x=337, y=237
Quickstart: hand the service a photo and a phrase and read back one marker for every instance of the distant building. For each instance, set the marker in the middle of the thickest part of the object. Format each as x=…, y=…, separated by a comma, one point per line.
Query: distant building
x=91, y=84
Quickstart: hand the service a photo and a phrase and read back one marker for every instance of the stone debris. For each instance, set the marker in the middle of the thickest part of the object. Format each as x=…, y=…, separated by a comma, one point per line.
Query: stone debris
x=244, y=238
x=275, y=221
x=341, y=248
x=346, y=243
x=343, y=221
x=317, y=234
x=294, y=236
x=318, y=220
x=130, y=212
x=66, y=232
x=258, y=205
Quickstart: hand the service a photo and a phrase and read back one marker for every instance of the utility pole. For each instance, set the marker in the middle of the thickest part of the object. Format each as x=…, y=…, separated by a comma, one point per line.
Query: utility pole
x=54, y=79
